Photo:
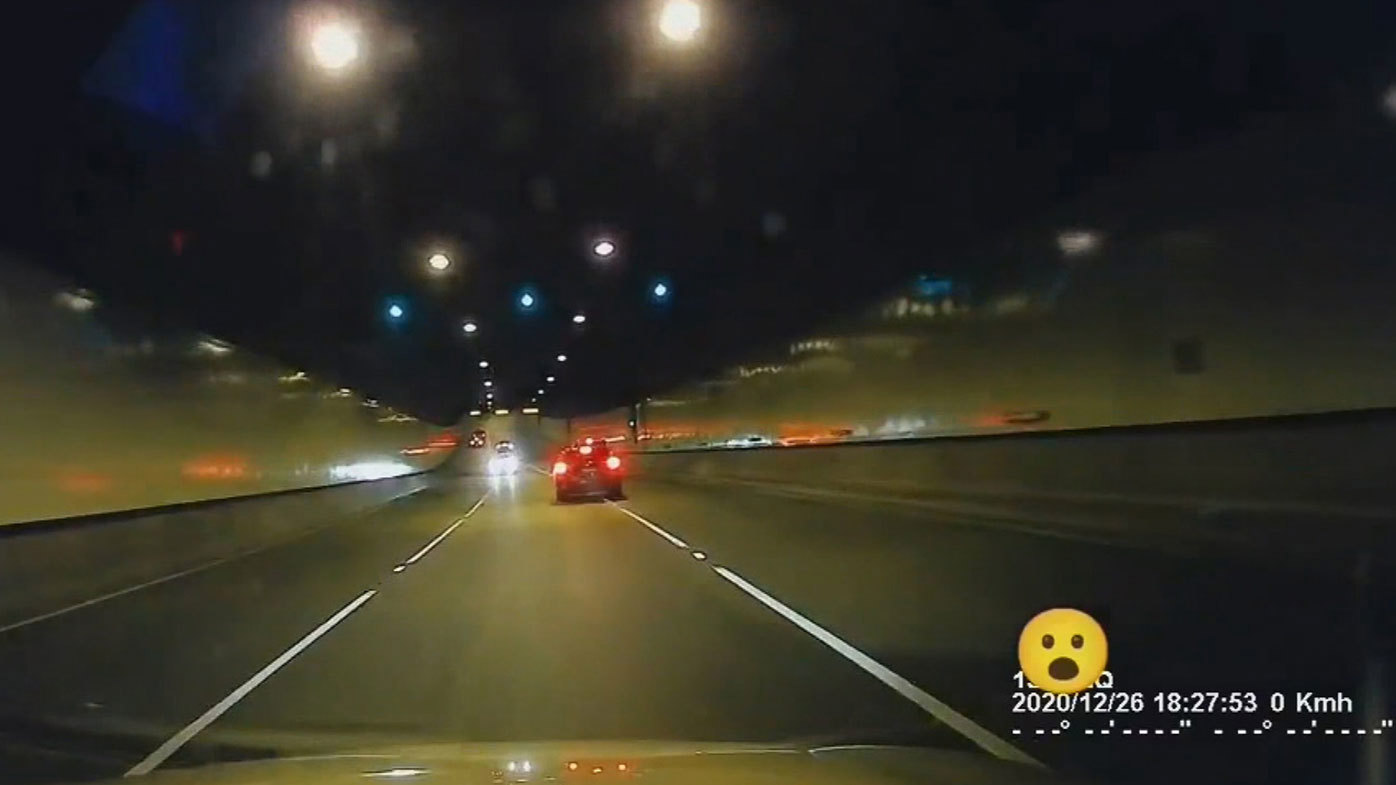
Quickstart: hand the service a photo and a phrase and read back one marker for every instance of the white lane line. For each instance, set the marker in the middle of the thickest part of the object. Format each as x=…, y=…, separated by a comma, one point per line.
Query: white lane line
x=443, y=535
x=191, y=571
x=934, y=706
x=171, y=746
x=675, y=541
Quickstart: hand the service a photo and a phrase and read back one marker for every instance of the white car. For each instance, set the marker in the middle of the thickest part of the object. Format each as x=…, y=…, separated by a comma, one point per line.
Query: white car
x=505, y=460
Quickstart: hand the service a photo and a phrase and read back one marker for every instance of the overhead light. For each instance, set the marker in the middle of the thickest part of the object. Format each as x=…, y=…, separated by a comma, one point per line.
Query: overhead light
x=541, y=391
x=484, y=364
x=552, y=379
x=680, y=20
x=501, y=412
x=529, y=410
x=489, y=383
x=580, y=318
x=439, y=262
x=334, y=45
x=527, y=300
x=470, y=328
x=562, y=358
x=604, y=249
x=396, y=312
x=660, y=290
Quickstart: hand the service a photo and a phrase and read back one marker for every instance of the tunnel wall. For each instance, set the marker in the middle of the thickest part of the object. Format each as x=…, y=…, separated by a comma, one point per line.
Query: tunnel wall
x=49, y=566
x=104, y=411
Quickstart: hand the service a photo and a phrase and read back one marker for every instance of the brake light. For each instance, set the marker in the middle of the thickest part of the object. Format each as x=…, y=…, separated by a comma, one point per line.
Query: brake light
x=559, y=468
x=613, y=463
x=585, y=450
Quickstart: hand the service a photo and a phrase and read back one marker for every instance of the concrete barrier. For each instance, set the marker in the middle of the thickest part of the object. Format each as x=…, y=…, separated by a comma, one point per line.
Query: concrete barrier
x=1312, y=485
x=51, y=565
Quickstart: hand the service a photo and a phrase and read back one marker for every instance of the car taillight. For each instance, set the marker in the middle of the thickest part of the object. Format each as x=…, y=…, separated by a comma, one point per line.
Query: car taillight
x=559, y=468
x=613, y=463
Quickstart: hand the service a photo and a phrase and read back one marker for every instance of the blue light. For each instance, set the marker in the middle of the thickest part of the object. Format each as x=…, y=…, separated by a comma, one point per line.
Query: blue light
x=396, y=312
x=661, y=291
x=526, y=300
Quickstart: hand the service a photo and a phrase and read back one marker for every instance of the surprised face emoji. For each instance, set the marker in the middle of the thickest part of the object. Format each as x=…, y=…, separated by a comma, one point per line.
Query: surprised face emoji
x=1062, y=650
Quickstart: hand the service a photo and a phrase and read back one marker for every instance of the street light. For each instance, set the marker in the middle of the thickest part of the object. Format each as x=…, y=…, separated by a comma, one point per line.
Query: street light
x=484, y=363
x=680, y=20
x=580, y=318
x=551, y=379
x=439, y=262
x=335, y=45
x=604, y=249
x=470, y=328
x=562, y=358
x=489, y=383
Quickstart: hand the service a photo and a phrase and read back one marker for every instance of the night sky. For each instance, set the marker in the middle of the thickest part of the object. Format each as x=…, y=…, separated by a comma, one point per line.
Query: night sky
x=796, y=162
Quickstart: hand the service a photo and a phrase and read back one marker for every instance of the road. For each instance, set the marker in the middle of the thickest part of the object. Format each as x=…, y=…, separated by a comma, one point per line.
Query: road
x=482, y=611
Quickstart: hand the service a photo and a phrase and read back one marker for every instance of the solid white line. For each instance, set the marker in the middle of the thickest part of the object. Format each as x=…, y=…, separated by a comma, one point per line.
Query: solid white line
x=443, y=535
x=192, y=570
x=675, y=541
x=934, y=706
x=170, y=747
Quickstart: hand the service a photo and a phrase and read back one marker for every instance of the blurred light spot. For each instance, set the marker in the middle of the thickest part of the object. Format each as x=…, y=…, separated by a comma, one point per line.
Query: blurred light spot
x=470, y=328
x=439, y=262
x=700, y=556
x=680, y=20
x=541, y=391
x=604, y=249
x=501, y=412
x=512, y=766
x=369, y=470
x=579, y=319
x=773, y=225
x=489, y=383
x=1078, y=242
x=621, y=767
x=475, y=412
x=410, y=451
x=551, y=379
x=291, y=378
x=213, y=347
x=261, y=164
x=562, y=358
x=595, y=769
x=571, y=765
x=660, y=290
x=527, y=300
x=334, y=44
x=329, y=153
x=371, y=403
x=401, y=772
x=79, y=481
x=79, y=300
x=484, y=364
x=396, y=312
x=530, y=410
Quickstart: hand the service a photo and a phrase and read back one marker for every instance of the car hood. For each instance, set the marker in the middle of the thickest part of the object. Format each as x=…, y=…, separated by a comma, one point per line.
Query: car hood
x=611, y=763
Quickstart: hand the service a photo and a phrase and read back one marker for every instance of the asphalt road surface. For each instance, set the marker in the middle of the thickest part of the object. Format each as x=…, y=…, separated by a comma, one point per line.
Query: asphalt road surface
x=482, y=611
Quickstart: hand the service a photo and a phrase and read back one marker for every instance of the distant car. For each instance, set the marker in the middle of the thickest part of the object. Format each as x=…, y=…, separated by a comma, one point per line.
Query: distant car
x=584, y=470
x=478, y=438
x=505, y=460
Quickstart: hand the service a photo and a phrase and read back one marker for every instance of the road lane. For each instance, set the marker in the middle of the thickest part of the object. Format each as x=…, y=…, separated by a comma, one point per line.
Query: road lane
x=941, y=603
x=144, y=664
x=537, y=621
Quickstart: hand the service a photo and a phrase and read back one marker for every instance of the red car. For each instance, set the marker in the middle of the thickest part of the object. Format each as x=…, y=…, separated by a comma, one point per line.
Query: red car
x=588, y=470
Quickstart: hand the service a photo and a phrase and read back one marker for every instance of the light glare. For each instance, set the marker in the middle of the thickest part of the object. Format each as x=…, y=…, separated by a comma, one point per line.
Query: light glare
x=680, y=20
x=335, y=45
